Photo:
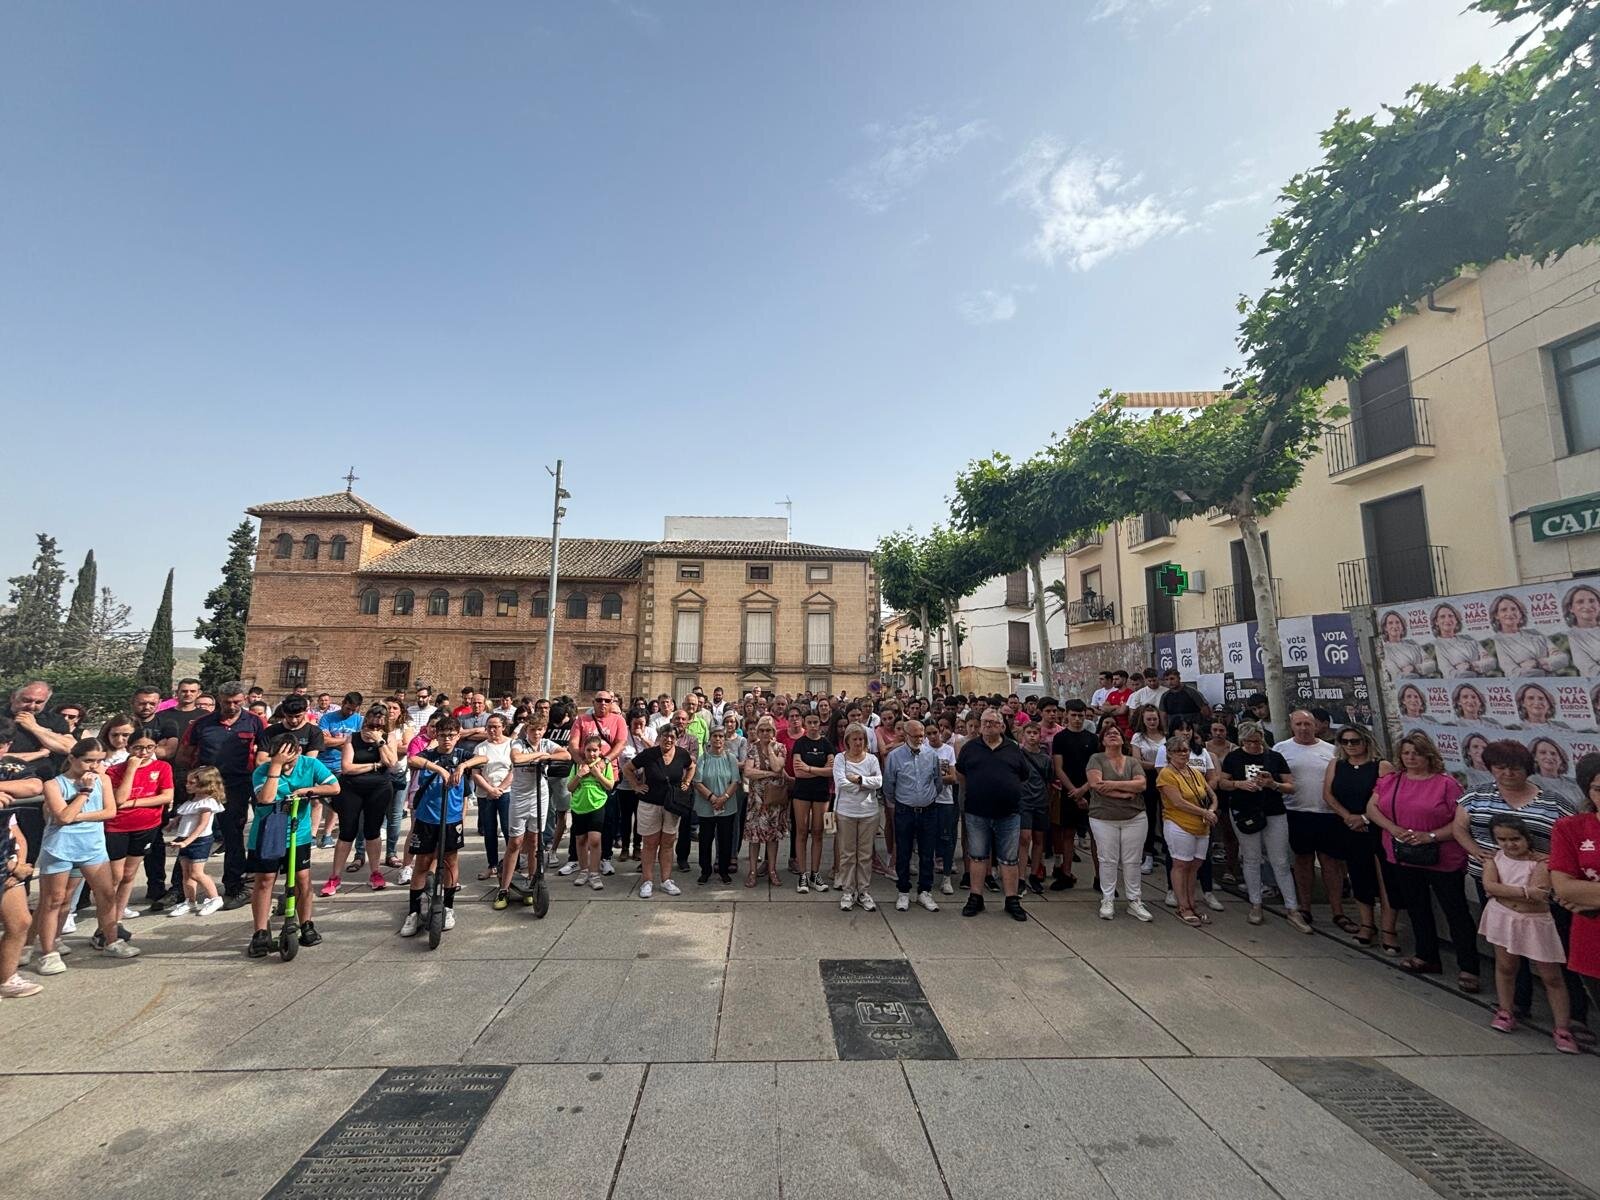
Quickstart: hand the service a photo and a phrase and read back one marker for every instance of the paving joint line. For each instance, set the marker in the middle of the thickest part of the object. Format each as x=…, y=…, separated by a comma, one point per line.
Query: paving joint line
x=1215, y=1132
x=622, y=1150
x=926, y=1136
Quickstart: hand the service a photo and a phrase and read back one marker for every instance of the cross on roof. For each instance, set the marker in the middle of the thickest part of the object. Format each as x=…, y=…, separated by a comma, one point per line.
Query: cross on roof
x=350, y=478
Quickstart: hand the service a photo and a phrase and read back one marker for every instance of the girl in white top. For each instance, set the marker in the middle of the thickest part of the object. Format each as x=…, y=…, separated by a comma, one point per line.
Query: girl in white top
x=193, y=842
x=493, y=784
x=857, y=776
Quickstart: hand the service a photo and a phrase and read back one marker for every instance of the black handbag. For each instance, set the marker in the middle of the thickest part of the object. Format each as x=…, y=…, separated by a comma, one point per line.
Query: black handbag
x=1250, y=818
x=679, y=803
x=1405, y=854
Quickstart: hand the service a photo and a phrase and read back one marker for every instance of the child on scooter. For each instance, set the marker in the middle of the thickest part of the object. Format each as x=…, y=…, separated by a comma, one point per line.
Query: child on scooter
x=436, y=826
x=285, y=772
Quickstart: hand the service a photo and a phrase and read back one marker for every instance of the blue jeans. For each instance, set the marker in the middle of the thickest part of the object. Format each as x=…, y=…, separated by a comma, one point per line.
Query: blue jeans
x=919, y=825
x=397, y=817
x=945, y=817
x=998, y=834
x=493, y=817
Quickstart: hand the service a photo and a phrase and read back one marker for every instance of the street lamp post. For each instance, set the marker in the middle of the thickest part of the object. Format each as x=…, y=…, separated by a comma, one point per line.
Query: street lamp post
x=555, y=559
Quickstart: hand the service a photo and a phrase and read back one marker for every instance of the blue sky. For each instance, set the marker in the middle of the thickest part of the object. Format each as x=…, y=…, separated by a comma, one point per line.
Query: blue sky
x=711, y=254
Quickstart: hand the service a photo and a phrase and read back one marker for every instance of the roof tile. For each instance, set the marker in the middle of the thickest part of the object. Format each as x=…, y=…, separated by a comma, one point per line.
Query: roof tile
x=508, y=557
x=334, y=504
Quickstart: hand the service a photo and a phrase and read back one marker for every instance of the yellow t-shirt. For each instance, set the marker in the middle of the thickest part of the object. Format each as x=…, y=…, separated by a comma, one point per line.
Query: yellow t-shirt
x=1191, y=785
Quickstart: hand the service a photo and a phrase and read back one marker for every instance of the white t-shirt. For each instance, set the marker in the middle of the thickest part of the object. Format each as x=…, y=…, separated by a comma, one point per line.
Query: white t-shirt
x=499, y=764
x=1308, y=765
x=1200, y=759
x=527, y=780
x=947, y=756
x=420, y=713
x=1146, y=695
x=1098, y=700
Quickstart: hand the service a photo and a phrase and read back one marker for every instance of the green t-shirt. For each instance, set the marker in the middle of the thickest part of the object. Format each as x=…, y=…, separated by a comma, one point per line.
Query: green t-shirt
x=589, y=793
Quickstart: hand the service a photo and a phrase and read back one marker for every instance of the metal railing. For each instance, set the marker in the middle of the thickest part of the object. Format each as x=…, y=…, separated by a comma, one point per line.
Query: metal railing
x=1081, y=612
x=686, y=652
x=819, y=654
x=1147, y=527
x=756, y=654
x=1388, y=578
x=1376, y=431
x=1139, y=621
x=1230, y=604
x=1087, y=541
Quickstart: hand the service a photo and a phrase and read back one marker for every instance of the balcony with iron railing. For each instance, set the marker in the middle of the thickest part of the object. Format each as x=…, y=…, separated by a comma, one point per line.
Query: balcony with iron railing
x=1091, y=610
x=1089, y=541
x=1379, y=431
x=1148, y=530
x=1408, y=574
x=756, y=654
x=819, y=654
x=1139, y=622
x=1230, y=604
x=686, y=653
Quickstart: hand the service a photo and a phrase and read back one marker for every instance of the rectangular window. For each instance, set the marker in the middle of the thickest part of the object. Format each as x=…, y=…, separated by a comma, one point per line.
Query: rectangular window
x=682, y=685
x=818, y=685
x=1400, y=563
x=505, y=605
x=758, y=572
x=1017, y=589
x=594, y=677
x=819, y=639
x=1019, y=644
x=758, y=638
x=294, y=672
x=819, y=573
x=541, y=606
x=396, y=676
x=686, y=636
x=1578, y=384
x=502, y=677
x=689, y=572
x=1380, y=410
x=1244, y=592
x=1089, y=582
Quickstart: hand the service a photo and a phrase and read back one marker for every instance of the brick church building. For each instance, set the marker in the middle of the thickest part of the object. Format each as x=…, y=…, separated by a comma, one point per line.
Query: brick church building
x=347, y=597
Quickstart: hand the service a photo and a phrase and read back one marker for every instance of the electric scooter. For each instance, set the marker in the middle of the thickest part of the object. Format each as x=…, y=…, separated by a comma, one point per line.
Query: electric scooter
x=289, y=933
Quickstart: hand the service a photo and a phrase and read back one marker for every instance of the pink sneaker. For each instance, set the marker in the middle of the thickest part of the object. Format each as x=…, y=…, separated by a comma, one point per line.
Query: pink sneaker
x=378, y=882
x=1566, y=1043
x=1503, y=1021
x=330, y=888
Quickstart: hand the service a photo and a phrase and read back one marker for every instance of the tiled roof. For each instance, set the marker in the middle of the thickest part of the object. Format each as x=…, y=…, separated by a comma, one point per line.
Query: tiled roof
x=757, y=550
x=334, y=504
x=508, y=557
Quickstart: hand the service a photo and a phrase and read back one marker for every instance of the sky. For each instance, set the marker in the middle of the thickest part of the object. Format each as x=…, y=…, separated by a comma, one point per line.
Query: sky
x=711, y=255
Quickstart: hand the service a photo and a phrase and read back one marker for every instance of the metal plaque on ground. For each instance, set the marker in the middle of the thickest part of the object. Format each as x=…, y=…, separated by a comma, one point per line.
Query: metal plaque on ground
x=1438, y=1143
x=399, y=1140
x=878, y=1010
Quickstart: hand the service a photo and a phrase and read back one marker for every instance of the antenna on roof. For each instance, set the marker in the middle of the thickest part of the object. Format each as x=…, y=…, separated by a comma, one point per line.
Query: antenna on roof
x=788, y=504
x=350, y=478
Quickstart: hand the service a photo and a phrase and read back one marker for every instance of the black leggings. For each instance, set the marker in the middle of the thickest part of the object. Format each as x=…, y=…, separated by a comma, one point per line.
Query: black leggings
x=363, y=803
x=1415, y=889
x=1361, y=863
x=626, y=801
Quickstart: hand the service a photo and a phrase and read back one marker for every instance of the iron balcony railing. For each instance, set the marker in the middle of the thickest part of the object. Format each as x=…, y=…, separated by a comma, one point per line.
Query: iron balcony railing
x=819, y=654
x=1408, y=574
x=1230, y=604
x=686, y=652
x=1377, y=430
x=1147, y=527
x=756, y=654
x=1141, y=621
x=1087, y=541
x=1083, y=612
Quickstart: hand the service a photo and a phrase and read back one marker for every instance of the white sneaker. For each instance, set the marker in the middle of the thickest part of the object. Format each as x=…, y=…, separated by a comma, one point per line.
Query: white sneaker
x=1211, y=900
x=847, y=902
x=121, y=949
x=1147, y=866
x=606, y=868
x=412, y=924
x=71, y=923
x=671, y=888
x=902, y=902
x=131, y=914
x=927, y=901
x=1138, y=911
x=568, y=867
x=646, y=890
x=17, y=987
x=583, y=878
x=405, y=875
x=449, y=918
x=867, y=903
x=181, y=909
x=1108, y=909
x=51, y=964
x=209, y=905
x=1172, y=899
x=948, y=887
x=597, y=883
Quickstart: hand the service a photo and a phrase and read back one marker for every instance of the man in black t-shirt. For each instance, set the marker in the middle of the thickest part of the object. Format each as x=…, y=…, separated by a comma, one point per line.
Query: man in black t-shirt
x=1179, y=699
x=42, y=738
x=294, y=717
x=992, y=769
x=1070, y=750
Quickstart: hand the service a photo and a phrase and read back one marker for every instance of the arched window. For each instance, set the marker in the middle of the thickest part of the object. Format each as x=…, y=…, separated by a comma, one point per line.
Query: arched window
x=578, y=606
x=283, y=547
x=541, y=605
x=403, y=602
x=505, y=604
x=611, y=607
x=336, y=545
x=294, y=673
x=438, y=603
x=369, y=602
x=472, y=604
x=313, y=546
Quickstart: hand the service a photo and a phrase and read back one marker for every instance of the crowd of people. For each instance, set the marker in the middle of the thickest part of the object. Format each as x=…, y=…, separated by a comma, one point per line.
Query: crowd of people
x=985, y=795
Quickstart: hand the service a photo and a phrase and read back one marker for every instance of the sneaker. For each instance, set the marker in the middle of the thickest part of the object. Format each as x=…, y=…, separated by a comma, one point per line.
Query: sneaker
x=70, y=925
x=1108, y=909
x=17, y=987
x=966, y=881
x=405, y=875
x=63, y=948
x=671, y=888
x=309, y=935
x=377, y=882
x=331, y=888
x=26, y=957
x=1503, y=1021
x=1147, y=866
x=449, y=918
x=131, y=914
x=847, y=902
x=818, y=884
x=947, y=888
x=260, y=944
x=991, y=883
x=181, y=909
x=413, y=922
x=208, y=906
x=902, y=902
x=1014, y=909
x=1138, y=911
x=597, y=883
x=646, y=890
x=1211, y=901
x=606, y=868
x=802, y=886
x=501, y=899
x=1036, y=886
x=927, y=901
x=1172, y=898
x=867, y=903
x=236, y=900
x=1564, y=1040
x=121, y=949
x=1256, y=916
x=1298, y=920
x=704, y=878
x=161, y=904
x=51, y=964
x=568, y=867
x=583, y=878
x=973, y=906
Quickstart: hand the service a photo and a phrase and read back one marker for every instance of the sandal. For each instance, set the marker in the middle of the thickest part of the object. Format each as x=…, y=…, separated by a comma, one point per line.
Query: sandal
x=1369, y=931
x=1390, y=943
x=772, y=877
x=1189, y=917
x=488, y=873
x=750, y=880
x=1470, y=984
x=1345, y=924
x=1416, y=966
x=392, y=860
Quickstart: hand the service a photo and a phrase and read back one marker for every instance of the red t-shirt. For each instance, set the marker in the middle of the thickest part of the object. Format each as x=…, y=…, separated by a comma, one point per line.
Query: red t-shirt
x=1575, y=851
x=1120, y=696
x=151, y=780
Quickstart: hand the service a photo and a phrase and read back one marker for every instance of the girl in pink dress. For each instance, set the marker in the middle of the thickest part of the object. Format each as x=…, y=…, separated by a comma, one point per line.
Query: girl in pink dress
x=1517, y=923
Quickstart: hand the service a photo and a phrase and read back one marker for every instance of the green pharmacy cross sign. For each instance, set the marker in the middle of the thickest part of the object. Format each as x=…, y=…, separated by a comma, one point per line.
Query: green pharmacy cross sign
x=1171, y=579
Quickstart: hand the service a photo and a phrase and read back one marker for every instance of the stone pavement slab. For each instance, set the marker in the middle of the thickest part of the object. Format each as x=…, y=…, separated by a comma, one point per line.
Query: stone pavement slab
x=985, y=1011
x=1287, y=1138
x=990, y=935
x=703, y=1131
x=670, y=929
x=852, y=1130
x=1090, y=1016
x=774, y=1009
x=810, y=931
x=1081, y=929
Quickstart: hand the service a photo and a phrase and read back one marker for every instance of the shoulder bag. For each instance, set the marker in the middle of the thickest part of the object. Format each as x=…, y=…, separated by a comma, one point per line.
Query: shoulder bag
x=1405, y=854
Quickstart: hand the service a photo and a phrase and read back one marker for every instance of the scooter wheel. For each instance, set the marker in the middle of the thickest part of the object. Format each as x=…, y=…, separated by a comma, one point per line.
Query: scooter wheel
x=435, y=927
x=288, y=941
x=541, y=899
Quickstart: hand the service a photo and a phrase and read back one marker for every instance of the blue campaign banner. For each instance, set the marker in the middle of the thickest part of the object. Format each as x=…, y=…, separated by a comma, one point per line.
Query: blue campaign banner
x=1338, y=653
x=1166, y=648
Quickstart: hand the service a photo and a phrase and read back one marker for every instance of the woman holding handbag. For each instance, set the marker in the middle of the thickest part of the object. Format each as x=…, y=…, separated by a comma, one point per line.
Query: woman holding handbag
x=1415, y=807
x=661, y=776
x=767, y=818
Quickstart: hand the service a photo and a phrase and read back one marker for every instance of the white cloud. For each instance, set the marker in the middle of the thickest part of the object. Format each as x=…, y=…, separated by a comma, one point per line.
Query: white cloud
x=1132, y=12
x=909, y=152
x=987, y=307
x=1087, y=211
x=1226, y=202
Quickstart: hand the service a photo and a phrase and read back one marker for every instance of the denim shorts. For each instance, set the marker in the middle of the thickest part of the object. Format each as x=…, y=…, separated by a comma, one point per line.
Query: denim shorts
x=49, y=864
x=1000, y=831
x=198, y=850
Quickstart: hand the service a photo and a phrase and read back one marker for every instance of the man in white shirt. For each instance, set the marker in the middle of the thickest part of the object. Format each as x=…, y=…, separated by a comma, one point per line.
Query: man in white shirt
x=718, y=706
x=423, y=708
x=1150, y=693
x=1097, y=701
x=1314, y=829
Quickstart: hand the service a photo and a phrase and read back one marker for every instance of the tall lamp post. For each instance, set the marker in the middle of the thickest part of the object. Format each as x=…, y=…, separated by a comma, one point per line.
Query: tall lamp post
x=555, y=558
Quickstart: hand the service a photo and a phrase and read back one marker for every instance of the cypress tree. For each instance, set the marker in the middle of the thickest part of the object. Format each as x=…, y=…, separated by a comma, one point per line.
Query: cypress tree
x=75, y=631
x=155, y=669
x=229, y=606
x=30, y=634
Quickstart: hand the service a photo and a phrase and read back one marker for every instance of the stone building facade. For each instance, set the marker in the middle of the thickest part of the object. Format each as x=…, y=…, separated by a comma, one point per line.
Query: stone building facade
x=347, y=597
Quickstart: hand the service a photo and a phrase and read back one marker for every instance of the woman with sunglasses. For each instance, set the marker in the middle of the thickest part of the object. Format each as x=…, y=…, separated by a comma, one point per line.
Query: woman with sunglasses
x=1254, y=779
x=1347, y=789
